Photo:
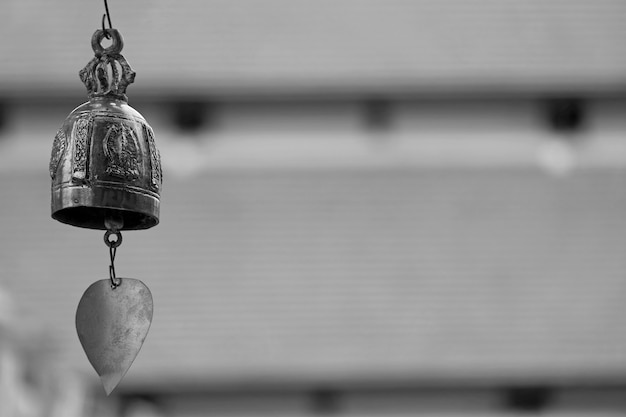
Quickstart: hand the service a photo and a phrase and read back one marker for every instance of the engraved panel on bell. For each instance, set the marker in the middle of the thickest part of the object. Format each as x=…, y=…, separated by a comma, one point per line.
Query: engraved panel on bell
x=155, y=159
x=120, y=147
x=81, y=136
x=58, y=148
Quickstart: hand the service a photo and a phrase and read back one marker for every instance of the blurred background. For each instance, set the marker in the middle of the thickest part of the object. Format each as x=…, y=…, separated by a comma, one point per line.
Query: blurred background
x=369, y=208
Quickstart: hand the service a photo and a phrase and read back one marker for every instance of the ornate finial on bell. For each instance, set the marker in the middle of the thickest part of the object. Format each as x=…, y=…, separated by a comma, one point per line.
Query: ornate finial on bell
x=104, y=161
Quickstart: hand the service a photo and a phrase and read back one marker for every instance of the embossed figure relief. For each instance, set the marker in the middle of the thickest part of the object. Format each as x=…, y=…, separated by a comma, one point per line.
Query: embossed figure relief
x=120, y=149
x=155, y=159
x=58, y=149
x=82, y=136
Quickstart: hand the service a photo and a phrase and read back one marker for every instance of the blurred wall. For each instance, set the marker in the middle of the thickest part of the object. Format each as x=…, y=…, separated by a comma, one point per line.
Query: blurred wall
x=368, y=207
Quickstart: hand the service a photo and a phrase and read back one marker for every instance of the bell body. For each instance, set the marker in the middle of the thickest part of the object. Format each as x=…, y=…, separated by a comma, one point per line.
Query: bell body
x=105, y=165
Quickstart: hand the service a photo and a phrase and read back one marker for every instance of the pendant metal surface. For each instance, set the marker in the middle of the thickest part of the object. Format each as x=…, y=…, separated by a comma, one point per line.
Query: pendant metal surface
x=112, y=324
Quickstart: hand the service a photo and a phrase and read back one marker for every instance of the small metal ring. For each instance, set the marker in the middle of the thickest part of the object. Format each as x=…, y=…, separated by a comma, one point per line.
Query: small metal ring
x=112, y=243
x=100, y=34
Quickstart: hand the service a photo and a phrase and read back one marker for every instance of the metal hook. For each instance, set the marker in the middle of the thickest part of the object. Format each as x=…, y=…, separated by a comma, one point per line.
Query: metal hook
x=115, y=281
x=108, y=16
x=113, y=245
x=106, y=35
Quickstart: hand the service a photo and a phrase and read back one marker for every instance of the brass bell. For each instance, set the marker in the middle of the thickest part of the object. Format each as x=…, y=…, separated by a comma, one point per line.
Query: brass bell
x=106, y=174
x=104, y=163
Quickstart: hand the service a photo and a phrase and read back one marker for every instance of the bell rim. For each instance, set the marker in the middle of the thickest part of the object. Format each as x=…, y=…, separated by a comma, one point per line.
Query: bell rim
x=86, y=206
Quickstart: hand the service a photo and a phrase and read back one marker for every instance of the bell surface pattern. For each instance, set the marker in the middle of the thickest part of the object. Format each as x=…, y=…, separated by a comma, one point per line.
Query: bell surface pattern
x=104, y=161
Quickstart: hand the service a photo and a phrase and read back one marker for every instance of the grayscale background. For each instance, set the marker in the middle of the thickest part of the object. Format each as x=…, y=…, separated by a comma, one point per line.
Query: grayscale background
x=369, y=208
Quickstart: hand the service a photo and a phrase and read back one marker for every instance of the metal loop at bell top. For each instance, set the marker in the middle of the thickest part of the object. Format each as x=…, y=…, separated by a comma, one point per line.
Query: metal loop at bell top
x=115, y=48
x=113, y=243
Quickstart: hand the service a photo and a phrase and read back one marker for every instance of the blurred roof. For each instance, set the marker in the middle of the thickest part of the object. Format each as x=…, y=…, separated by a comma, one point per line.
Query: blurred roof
x=273, y=46
x=312, y=276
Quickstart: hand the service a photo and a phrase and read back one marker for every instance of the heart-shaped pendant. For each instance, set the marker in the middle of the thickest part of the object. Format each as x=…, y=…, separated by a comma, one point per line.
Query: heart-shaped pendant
x=112, y=323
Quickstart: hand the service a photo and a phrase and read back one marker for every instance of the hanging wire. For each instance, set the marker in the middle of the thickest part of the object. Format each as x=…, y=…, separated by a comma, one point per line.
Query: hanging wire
x=115, y=282
x=113, y=244
x=107, y=15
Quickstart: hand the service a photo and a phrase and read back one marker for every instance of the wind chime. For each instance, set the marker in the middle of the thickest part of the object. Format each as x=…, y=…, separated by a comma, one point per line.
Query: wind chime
x=106, y=175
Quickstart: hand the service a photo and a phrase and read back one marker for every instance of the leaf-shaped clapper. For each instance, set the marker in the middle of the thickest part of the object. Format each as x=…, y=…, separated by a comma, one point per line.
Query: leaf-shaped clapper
x=112, y=324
